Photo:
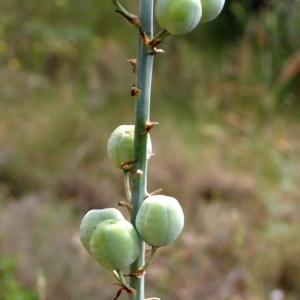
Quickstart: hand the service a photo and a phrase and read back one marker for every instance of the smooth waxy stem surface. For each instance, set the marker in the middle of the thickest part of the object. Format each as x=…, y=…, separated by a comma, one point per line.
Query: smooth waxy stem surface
x=160, y=220
x=114, y=244
x=178, y=16
x=93, y=218
x=211, y=9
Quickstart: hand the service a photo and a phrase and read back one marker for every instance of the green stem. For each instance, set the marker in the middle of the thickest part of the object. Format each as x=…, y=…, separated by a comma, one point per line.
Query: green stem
x=127, y=185
x=121, y=279
x=142, y=112
x=150, y=259
x=117, y=277
x=160, y=36
x=130, y=17
x=122, y=9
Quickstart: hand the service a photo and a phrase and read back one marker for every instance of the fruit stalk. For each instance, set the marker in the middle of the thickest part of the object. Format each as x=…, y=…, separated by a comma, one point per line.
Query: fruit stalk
x=142, y=112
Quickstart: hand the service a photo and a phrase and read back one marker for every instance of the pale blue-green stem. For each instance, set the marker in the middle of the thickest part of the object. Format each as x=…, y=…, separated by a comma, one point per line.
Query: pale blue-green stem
x=160, y=36
x=149, y=260
x=144, y=67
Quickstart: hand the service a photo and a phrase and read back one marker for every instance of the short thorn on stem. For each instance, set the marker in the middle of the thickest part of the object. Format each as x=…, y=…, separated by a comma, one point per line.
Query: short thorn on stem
x=139, y=173
x=148, y=126
x=132, y=61
x=135, y=91
x=156, y=51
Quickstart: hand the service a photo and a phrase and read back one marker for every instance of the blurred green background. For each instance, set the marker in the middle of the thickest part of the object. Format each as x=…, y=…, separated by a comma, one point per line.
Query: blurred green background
x=226, y=97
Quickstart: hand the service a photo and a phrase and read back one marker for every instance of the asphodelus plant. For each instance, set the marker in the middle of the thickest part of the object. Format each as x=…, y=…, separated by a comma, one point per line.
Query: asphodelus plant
x=155, y=219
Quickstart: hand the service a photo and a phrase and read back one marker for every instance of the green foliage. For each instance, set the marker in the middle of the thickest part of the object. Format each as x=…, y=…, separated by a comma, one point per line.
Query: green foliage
x=10, y=287
x=49, y=36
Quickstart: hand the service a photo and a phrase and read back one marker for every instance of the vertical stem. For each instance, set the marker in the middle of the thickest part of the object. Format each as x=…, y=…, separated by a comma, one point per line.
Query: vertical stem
x=142, y=113
x=127, y=185
x=150, y=259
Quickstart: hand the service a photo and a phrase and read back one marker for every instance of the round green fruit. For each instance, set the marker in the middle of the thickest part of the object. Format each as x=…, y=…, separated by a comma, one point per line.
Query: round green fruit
x=211, y=9
x=178, y=16
x=120, y=145
x=159, y=220
x=114, y=244
x=93, y=218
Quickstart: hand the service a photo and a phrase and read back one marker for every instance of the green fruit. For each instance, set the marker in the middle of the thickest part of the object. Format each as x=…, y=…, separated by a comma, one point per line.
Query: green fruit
x=159, y=220
x=114, y=244
x=120, y=145
x=211, y=9
x=178, y=16
x=93, y=218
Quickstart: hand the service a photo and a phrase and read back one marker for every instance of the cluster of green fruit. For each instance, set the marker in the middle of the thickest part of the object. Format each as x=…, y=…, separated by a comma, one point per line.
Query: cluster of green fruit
x=182, y=16
x=112, y=240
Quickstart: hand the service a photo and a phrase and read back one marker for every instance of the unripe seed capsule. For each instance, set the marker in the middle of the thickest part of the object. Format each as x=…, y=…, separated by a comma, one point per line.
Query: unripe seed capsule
x=120, y=145
x=159, y=220
x=93, y=218
x=114, y=244
x=178, y=16
x=211, y=9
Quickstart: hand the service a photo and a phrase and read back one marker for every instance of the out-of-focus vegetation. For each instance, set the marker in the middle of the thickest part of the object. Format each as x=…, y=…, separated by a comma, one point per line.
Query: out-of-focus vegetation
x=10, y=287
x=227, y=147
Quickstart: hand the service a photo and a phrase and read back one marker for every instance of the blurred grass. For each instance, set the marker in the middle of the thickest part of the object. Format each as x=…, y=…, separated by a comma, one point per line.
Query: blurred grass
x=227, y=147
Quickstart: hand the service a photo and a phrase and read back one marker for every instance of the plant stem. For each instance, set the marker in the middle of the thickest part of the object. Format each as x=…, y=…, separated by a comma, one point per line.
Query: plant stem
x=122, y=9
x=116, y=275
x=121, y=278
x=150, y=259
x=142, y=112
x=131, y=18
x=127, y=185
x=161, y=35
